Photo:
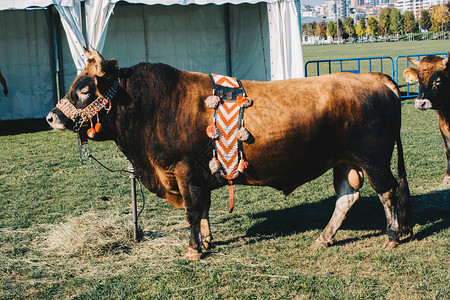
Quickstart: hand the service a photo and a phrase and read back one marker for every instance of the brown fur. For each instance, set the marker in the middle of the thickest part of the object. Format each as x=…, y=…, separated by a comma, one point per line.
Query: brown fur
x=430, y=65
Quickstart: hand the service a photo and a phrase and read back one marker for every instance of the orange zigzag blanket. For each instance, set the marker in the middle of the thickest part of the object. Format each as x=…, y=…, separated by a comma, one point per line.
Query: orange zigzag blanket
x=228, y=132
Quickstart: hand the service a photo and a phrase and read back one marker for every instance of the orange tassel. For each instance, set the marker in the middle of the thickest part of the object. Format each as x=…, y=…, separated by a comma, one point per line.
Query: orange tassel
x=98, y=126
x=243, y=134
x=242, y=165
x=212, y=101
x=243, y=101
x=91, y=131
x=212, y=131
x=214, y=165
x=231, y=191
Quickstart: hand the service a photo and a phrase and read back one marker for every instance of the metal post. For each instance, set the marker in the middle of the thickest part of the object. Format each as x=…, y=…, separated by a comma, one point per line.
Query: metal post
x=133, y=203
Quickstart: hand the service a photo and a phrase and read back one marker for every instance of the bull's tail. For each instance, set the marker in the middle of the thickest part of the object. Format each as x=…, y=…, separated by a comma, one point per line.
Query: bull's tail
x=404, y=197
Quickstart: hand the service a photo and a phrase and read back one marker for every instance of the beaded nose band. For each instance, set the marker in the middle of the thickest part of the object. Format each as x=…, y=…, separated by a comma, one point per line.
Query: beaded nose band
x=89, y=111
x=70, y=111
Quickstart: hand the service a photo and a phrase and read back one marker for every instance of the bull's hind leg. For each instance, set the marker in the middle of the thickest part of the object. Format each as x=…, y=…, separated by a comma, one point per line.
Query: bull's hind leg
x=389, y=200
x=384, y=183
x=348, y=179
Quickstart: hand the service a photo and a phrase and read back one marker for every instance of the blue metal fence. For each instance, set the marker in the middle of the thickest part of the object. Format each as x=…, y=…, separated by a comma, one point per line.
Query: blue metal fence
x=374, y=64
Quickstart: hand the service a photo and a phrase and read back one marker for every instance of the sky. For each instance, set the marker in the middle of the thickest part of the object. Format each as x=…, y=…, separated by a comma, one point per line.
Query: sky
x=312, y=2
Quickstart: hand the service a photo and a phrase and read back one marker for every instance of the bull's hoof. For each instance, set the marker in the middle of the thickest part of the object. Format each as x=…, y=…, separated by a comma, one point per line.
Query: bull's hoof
x=193, y=254
x=320, y=243
x=206, y=243
x=390, y=245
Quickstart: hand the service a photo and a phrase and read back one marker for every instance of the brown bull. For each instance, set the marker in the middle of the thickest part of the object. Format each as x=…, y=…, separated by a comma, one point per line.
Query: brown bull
x=433, y=75
x=301, y=128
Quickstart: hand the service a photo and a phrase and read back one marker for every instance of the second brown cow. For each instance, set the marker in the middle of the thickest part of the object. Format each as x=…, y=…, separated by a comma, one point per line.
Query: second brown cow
x=433, y=75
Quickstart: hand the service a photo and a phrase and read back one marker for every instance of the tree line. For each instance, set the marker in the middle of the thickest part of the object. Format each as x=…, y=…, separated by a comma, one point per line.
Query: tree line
x=389, y=21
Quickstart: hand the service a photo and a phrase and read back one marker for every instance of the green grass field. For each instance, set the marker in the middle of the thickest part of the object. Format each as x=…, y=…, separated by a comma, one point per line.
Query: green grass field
x=59, y=224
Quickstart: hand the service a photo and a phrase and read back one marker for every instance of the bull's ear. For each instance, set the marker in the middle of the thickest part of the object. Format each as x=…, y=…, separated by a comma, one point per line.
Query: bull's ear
x=414, y=62
x=410, y=75
x=100, y=62
x=446, y=61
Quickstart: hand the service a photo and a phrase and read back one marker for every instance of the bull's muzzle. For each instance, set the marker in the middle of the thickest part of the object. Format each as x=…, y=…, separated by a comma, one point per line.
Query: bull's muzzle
x=423, y=104
x=54, y=122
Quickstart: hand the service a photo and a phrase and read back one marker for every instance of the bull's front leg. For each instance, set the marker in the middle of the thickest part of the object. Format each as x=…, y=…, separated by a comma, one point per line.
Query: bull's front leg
x=444, y=127
x=196, y=209
x=192, y=195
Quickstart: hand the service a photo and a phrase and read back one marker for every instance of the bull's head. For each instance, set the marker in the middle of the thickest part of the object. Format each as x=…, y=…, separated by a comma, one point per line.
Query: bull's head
x=89, y=98
x=433, y=75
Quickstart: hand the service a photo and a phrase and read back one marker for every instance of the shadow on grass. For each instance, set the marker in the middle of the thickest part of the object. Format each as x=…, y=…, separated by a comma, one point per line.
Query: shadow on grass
x=431, y=211
x=23, y=126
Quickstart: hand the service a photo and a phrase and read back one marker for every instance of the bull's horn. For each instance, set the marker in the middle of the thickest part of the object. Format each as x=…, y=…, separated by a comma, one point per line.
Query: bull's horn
x=445, y=61
x=414, y=62
x=87, y=53
x=99, y=60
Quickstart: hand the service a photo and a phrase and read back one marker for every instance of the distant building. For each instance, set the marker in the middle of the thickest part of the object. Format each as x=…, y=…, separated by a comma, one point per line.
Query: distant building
x=357, y=9
x=337, y=9
x=323, y=10
x=417, y=6
x=372, y=2
x=357, y=14
x=315, y=12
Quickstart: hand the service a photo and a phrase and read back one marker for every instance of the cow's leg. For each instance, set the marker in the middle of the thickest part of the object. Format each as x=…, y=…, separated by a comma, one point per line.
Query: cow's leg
x=193, y=195
x=348, y=179
x=389, y=200
x=384, y=183
x=445, y=132
x=205, y=230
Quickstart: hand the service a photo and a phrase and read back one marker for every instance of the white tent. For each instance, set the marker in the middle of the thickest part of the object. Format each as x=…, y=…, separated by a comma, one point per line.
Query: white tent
x=258, y=40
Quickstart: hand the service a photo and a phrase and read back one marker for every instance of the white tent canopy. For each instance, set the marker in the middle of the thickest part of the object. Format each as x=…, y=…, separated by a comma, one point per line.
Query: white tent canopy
x=258, y=40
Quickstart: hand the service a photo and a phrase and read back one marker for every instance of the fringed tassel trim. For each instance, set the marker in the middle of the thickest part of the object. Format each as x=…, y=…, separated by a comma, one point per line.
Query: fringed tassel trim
x=212, y=132
x=243, y=134
x=243, y=101
x=242, y=165
x=212, y=101
x=214, y=165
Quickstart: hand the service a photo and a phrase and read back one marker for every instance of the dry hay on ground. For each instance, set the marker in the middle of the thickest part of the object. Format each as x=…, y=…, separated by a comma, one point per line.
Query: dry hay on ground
x=91, y=235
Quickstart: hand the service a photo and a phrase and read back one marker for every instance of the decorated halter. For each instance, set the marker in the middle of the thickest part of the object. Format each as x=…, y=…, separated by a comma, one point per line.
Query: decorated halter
x=87, y=113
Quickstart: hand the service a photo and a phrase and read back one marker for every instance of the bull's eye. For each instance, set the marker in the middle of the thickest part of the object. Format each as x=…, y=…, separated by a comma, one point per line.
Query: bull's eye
x=84, y=91
x=83, y=94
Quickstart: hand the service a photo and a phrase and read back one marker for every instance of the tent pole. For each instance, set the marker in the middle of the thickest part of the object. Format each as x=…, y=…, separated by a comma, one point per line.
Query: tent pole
x=228, y=38
x=298, y=6
x=53, y=56
x=57, y=53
